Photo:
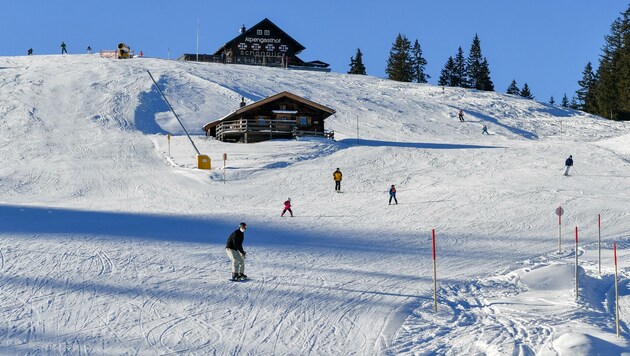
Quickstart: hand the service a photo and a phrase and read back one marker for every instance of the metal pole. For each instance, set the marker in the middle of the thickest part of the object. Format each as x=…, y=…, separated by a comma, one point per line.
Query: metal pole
x=434, y=272
x=197, y=39
x=616, y=290
x=173, y=111
x=599, y=242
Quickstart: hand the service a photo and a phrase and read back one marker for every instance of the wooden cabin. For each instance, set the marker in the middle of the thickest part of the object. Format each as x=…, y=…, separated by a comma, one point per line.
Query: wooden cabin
x=280, y=116
x=264, y=44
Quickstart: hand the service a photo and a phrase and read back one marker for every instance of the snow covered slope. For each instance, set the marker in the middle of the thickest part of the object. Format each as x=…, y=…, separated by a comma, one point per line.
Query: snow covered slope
x=109, y=245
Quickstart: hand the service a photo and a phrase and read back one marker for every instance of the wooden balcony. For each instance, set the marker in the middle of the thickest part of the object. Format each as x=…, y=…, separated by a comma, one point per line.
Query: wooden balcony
x=251, y=130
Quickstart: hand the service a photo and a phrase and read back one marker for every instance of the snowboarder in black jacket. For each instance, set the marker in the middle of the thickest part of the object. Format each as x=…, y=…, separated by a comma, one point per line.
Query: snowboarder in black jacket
x=234, y=250
x=568, y=163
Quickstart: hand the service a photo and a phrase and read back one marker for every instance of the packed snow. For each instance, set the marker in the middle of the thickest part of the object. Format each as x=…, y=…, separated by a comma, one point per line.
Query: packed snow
x=112, y=241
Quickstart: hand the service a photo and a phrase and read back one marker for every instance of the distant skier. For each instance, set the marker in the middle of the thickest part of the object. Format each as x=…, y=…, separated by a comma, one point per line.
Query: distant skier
x=89, y=50
x=568, y=163
x=234, y=250
x=461, y=115
x=63, y=48
x=337, y=176
x=287, y=207
x=30, y=51
x=392, y=195
x=484, y=130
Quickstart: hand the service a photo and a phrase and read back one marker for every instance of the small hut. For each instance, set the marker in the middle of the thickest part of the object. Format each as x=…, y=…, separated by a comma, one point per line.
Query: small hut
x=280, y=116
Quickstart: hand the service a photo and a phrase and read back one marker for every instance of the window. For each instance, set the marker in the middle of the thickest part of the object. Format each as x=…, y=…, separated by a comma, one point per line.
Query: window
x=304, y=121
x=284, y=48
x=266, y=32
x=259, y=32
x=261, y=120
x=269, y=47
x=283, y=107
x=256, y=47
x=242, y=46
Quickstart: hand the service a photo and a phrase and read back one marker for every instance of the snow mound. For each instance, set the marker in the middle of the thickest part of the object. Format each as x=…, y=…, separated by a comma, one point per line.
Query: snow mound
x=548, y=277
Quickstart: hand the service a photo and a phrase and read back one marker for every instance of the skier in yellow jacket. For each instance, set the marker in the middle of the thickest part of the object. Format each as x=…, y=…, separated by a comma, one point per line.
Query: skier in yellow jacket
x=337, y=176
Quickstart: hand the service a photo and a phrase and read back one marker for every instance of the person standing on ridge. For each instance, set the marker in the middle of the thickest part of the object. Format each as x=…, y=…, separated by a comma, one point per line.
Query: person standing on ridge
x=63, y=48
x=234, y=250
x=392, y=195
x=30, y=51
x=89, y=50
x=287, y=207
x=461, y=115
x=568, y=163
x=484, y=130
x=337, y=176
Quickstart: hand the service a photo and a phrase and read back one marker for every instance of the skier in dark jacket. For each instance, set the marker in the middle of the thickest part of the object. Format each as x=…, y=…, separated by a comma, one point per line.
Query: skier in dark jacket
x=63, y=48
x=568, y=163
x=392, y=195
x=234, y=250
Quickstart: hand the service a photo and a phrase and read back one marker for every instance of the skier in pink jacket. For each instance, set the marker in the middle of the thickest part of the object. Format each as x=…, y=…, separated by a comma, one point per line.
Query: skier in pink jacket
x=287, y=207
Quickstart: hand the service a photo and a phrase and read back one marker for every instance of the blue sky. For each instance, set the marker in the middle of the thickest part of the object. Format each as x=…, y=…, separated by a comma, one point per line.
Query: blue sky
x=541, y=42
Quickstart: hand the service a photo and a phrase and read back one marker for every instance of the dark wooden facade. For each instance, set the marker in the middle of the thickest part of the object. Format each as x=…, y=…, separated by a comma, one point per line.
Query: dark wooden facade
x=263, y=44
x=280, y=116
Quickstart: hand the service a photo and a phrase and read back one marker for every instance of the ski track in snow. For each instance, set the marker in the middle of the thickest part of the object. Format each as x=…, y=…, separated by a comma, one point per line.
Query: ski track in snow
x=109, y=245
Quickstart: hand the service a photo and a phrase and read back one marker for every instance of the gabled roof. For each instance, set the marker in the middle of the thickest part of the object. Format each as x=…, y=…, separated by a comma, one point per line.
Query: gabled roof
x=252, y=32
x=284, y=94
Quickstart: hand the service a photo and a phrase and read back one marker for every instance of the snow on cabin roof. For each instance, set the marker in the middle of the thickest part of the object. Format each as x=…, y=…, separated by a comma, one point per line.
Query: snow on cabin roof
x=284, y=94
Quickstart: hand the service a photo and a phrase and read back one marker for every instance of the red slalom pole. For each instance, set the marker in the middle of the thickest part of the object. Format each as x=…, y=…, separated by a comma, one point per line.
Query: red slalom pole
x=434, y=272
x=559, y=229
x=576, y=263
x=599, y=242
x=616, y=290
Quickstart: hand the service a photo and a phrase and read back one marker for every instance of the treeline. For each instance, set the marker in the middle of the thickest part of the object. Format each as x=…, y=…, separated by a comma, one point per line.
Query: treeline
x=604, y=92
x=407, y=64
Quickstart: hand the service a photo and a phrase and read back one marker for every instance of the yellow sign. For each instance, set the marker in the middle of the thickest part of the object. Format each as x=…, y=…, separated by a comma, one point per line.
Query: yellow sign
x=203, y=162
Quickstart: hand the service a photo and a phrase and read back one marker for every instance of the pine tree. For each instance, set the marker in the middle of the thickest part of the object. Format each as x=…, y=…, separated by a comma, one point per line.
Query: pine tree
x=552, y=101
x=485, y=82
x=400, y=63
x=477, y=69
x=513, y=89
x=586, y=93
x=565, y=101
x=525, y=92
x=446, y=75
x=612, y=99
x=574, y=104
x=419, y=64
x=356, y=64
x=460, y=75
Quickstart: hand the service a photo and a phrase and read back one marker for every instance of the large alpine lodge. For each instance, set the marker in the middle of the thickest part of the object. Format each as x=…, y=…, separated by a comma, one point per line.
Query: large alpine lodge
x=264, y=44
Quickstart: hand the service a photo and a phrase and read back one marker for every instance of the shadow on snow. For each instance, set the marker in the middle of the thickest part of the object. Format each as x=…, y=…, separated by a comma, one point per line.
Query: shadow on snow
x=423, y=145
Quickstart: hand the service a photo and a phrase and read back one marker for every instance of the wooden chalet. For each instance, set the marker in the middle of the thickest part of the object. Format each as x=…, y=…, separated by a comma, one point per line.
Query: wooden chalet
x=280, y=116
x=263, y=44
